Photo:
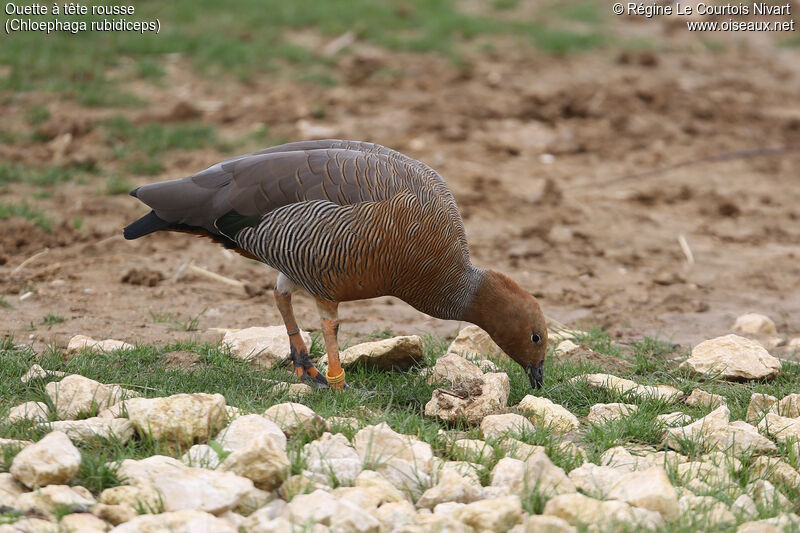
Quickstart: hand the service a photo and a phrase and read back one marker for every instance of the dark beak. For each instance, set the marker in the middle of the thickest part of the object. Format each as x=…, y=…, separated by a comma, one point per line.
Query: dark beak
x=535, y=374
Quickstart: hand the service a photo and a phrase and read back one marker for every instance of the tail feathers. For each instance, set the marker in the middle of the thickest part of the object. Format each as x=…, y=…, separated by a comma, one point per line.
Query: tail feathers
x=145, y=225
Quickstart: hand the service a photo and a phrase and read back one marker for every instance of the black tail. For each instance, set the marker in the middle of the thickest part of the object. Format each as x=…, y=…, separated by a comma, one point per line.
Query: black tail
x=145, y=225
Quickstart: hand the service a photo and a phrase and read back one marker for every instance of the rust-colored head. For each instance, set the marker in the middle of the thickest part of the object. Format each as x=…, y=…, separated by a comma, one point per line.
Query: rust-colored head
x=514, y=320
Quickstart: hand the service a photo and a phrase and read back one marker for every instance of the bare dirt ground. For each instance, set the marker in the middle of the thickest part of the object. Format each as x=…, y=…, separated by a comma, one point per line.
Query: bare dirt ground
x=530, y=146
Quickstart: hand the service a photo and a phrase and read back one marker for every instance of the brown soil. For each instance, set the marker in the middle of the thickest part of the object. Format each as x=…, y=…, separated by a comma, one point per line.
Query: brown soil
x=534, y=149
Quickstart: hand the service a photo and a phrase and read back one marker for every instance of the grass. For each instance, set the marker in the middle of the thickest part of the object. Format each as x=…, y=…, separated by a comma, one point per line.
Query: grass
x=45, y=176
x=50, y=319
x=396, y=397
x=27, y=212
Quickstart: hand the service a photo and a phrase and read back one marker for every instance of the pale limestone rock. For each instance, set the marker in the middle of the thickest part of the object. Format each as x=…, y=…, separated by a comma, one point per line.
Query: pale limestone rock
x=359, y=496
x=699, y=430
x=629, y=388
x=774, y=470
x=115, y=411
x=46, y=501
x=781, y=428
x=603, y=412
x=498, y=515
x=264, y=345
x=404, y=461
x=711, y=474
x=596, y=481
x=202, y=456
x=470, y=400
x=260, y=520
x=724, y=459
x=543, y=524
x=52, y=460
x=233, y=519
x=79, y=343
x=745, y=508
x=758, y=527
x=678, y=418
x=294, y=418
x=739, y=438
x=451, y=488
x=717, y=514
x=322, y=508
x=179, y=418
x=232, y=413
x=545, y=413
x=469, y=471
x=766, y=495
x=516, y=449
x=394, y=515
x=255, y=499
x=472, y=450
x=335, y=423
x=183, y=487
x=447, y=508
x=76, y=394
x=142, y=497
x=261, y=461
x=10, y=490
x=181, y=521
x=238, y=434
x=385, y=354
x=29, y=525
x=83, y=522
x=701, y=398
x=537, y=473
x=732, y=357
x=37, y=372
x=333, y=456
x=755, y=324
x=788, y=406
x=380, y=486
x=453, y=368
x=425, y=521
x=91, y=428
x=114, y=514
x=509, y=424
x=648, y=489
x=486, y=365
x=28, y=411
x=580, y=510
x=473, y=342
x=565, y=347
x=303, y=483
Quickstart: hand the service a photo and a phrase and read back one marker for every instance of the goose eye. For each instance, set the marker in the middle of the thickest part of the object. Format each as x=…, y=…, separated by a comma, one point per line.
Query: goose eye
x=536, y=338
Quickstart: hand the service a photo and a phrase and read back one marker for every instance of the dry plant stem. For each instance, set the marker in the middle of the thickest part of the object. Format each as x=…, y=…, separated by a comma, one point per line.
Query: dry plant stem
x=216, y=277
x=30, y=260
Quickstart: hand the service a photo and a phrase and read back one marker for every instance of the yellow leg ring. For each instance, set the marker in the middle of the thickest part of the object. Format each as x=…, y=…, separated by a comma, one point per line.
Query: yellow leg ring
x=335, y=380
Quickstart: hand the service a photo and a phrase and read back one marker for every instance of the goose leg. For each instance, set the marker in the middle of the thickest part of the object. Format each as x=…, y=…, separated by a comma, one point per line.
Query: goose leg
x=303, y=367
x=329, y=315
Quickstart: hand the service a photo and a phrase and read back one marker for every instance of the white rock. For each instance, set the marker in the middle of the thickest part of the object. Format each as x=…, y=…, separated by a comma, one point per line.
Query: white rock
x=178, y=418
x=765, y=495
x=580, y=510
x=472, y=450
x=37, y=372
x=788, y=406
x=516, y=449
x=142, y=496
x=10, y=490
x=83, y=522
x=182, y=521
x=46, y=501
x=543, y=524
x=745, y=508
x=261, y=461
x=472, y=342
x=394, y=515
x=380, y=486
x=648, y=489
x=293, y=418
x=716, y=513
x=28, y=411
x=244, y=429
x=264, y=345
x=385, y=354
x=678, y=418
x=332, y=455
x=92, y=428
x=701, y=398
x=596, y=481
x=509, y=424
x=336, y=423
x=360, y=496
x=629, y=388
x=565, y=347
x=405, y=462
x=780, y=427
x=453, y=368
x=740, y=438
x=698, y=431
x=486, y=365
x=52, y=460
x=79, y=343
x=775, y=470
x=498, y=514
x=537, y=473
x=322, y=508
x=76, y=394
x=759, y=526
x=713, y=475
x=184, y=487
x=469, y=471
x=755, y=324
x=451, y=488
x=470, y=400
x=545, y=413
x=202, y=456
x=603, y=412
x=732, y=357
